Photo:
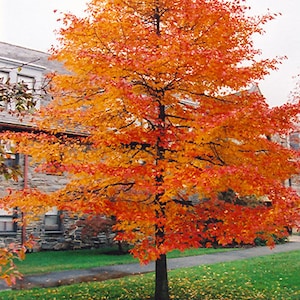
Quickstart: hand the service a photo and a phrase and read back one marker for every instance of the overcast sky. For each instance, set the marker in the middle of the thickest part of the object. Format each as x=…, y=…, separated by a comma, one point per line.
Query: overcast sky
x=30, y=23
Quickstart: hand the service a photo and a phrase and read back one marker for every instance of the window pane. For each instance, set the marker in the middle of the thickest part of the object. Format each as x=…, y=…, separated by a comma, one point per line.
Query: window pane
x=4, y=76
x=6, y=224
x=6, y=212
x=52, y=220
x=52, y=223
x=28, y=80
x=7, y=220
x=11, y=159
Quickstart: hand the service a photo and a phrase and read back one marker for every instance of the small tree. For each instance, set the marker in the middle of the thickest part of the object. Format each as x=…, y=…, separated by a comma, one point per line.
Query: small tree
x=160, y=87
x=19, y=95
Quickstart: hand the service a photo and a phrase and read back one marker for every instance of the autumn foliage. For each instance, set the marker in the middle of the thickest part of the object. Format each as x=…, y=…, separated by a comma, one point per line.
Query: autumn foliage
x=19, y=95
x=8, y=255
x=160, y=89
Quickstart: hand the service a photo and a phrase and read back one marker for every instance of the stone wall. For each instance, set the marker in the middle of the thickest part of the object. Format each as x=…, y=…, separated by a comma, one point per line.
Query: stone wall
x=67, y=236
x=17, y=61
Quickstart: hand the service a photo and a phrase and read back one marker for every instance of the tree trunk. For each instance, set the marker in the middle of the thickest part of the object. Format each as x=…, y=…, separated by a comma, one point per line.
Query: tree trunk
x=161, y=279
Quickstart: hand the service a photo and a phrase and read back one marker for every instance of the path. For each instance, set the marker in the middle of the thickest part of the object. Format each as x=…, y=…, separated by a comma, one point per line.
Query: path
x=117, y=271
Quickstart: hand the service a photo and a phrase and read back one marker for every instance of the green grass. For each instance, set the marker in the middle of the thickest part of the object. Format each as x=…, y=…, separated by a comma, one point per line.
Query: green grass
x=49, y=261
x=273, y=277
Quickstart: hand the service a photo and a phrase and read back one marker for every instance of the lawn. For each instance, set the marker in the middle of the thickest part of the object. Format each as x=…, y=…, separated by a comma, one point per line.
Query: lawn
x=272, y=277
x=49, y=261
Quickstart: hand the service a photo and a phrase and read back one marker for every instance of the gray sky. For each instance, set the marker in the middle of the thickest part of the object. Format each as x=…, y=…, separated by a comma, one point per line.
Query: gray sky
x=30, y=23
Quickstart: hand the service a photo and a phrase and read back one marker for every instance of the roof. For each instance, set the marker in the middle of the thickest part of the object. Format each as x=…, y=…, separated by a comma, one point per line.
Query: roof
x=29, y=56
x=29, y=59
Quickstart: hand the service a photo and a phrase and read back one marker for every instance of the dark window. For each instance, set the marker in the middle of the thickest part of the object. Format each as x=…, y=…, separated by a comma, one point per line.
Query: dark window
x=12, y=160
x=8, y=221
x=53, y=220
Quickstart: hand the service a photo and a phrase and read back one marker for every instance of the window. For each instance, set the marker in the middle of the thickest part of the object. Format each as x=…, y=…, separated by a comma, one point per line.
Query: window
x=53, y=220
x=4, y=77
x=29, y=81
x=294, y=140
x=8, y=222
x=11, y=159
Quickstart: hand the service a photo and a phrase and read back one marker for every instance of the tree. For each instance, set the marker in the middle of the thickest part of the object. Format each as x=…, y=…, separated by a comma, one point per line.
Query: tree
x=161, y=89
x=18, y=94
x=94, y=225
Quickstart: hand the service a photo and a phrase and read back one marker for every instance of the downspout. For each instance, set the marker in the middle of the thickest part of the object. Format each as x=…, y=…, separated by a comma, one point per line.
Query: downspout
x=26, y=171
x=25, y=186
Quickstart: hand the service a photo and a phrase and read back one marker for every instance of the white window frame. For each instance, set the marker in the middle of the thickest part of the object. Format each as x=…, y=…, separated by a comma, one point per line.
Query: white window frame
x=4, y=77
x=11, y=158
x=52, y=220
x=7, y=221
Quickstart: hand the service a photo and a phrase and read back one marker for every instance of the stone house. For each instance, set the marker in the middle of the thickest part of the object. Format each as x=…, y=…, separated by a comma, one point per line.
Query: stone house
x=51, y=230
